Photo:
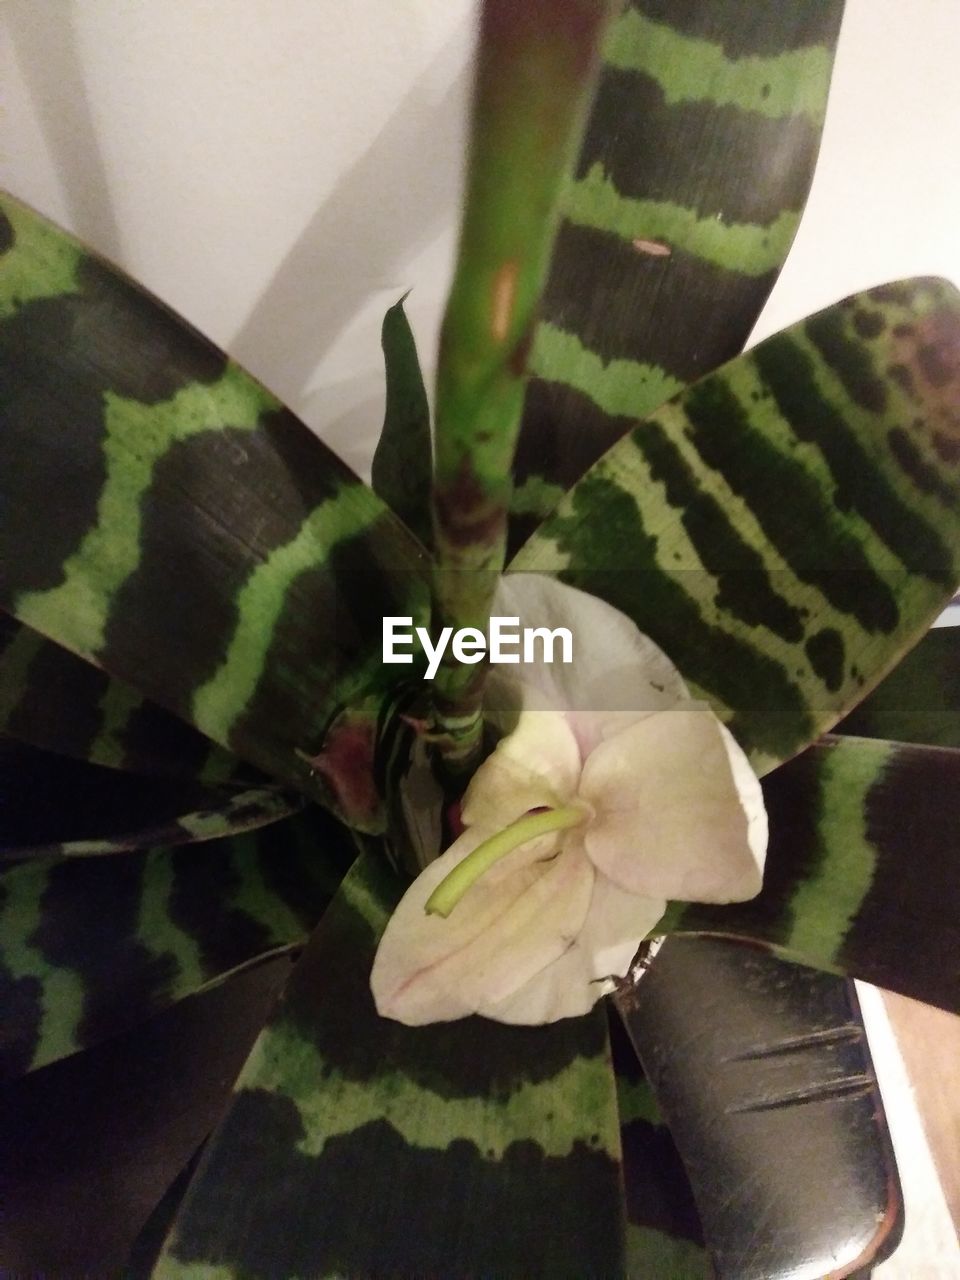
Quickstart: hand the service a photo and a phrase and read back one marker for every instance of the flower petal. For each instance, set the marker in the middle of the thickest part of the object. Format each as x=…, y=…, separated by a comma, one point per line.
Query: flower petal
x=678, y=810
x=615, y=667
x=505, y=929
x=536, y=765
x=615, y=925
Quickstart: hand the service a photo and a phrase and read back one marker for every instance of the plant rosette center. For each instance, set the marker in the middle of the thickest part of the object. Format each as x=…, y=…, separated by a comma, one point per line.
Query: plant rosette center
x=610, y=793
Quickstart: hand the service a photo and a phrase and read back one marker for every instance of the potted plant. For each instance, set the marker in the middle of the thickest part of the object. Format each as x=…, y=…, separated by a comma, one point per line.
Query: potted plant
x=752, y=541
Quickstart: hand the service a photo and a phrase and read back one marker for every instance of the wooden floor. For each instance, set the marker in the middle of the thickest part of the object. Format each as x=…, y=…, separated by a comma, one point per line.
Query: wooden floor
x=929, y=1042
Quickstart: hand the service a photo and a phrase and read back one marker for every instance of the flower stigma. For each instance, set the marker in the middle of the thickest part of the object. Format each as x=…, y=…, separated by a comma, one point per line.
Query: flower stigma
x=532, y=825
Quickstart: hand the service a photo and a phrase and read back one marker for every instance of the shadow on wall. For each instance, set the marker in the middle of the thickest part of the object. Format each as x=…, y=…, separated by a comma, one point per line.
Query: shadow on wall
x=350, y=250
x=45, y=41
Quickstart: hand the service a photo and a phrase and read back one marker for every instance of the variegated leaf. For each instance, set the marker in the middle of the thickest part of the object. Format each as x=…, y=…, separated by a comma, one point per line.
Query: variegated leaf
x=53, y=806
x=207, y=549
x=92, y=1142
x=788, y=526
x=666, y=254
x=92, y=946
x=357, y=1146
x=51, y=698
x=863, y=872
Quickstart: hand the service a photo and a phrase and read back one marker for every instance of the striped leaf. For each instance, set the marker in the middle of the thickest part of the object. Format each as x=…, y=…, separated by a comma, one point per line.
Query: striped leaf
x=51, y=698
x=356, y=1146
x=919, y=701
x=862, y=876
x=787, y=527
x=91, y=1143
x=207, y=549
x=53, y=806
x=666, y=254
x=92, y=946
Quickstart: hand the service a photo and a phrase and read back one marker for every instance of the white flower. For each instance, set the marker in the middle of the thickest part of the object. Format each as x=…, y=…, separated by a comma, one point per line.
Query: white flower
x=613, y=793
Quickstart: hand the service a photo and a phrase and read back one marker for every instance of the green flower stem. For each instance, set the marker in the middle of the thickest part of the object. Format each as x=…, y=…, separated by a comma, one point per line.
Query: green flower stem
x=536, y=67
x=532, y=825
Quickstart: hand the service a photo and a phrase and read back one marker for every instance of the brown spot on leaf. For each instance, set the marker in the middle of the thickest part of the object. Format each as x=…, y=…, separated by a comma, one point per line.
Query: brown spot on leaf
x=655, y=248
x=936, y=364
x=949, y=450
x=466, y=514
x=901, y=375
x=521, y=352
x=929, y=354
x=868, y=324
x=503, y=294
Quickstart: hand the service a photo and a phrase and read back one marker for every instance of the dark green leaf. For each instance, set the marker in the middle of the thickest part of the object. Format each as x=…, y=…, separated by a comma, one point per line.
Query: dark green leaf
x=205, y=547
x=53, y=699
x=92, y=946
x=790, y=525
x=751, y=1057
x=666, y=251
x=664, y=1235
x=359, y=1147
x=862, y=871
x=403, y=463
x=53, y=806
x=91, y=1143
x=919, y=701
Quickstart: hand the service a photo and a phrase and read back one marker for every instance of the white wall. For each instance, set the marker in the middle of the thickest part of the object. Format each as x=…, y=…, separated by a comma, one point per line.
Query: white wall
x=886, y=197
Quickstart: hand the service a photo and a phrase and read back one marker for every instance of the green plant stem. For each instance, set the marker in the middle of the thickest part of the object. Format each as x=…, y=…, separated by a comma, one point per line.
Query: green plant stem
x=466, y=873
x=536, y=67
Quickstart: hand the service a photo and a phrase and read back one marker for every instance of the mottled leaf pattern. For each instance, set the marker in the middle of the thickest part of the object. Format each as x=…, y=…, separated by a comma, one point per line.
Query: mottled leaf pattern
x=666, y=255
x=787, y=527
x=91, y=946
x=180, y=479
x=52, y=806
x=863, y=873
x=356, y=1146
x=51, y=698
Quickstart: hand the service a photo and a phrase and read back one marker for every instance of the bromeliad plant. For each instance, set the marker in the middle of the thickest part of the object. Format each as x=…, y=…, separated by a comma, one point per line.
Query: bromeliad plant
x=194, y=589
